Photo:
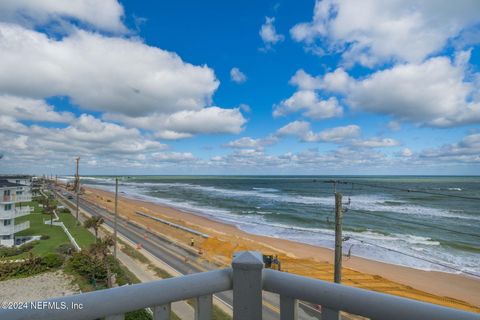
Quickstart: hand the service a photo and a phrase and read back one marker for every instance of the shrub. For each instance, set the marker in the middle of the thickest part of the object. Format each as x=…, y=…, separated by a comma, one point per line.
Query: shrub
x=66, y=249
x=64, y=210
x=87, y=266
x=31, y=266
x=13, y=251
x=44, y=237
x=92, y=268
x=8, y=252
x=52, y=260
x=138, y=315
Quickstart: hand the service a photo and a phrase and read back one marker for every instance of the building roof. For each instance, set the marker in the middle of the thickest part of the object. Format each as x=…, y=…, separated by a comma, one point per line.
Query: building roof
x=15, y=176
x=5, y=183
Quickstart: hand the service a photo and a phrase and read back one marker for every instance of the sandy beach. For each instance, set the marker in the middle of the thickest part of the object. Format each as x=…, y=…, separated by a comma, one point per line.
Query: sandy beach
x=453, y=290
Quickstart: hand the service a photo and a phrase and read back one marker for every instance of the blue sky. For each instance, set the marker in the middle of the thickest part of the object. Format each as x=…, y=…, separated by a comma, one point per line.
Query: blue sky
x=218, y=87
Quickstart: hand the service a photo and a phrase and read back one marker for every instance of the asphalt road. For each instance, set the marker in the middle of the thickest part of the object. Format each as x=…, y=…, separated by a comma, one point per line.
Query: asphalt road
x=184, y=261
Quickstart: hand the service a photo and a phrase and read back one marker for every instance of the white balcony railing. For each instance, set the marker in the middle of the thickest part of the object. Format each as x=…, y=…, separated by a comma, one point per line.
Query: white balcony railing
x=15, y=212
x=21, y=226
x=23, y=198
x=247, y=279
x=22, y=211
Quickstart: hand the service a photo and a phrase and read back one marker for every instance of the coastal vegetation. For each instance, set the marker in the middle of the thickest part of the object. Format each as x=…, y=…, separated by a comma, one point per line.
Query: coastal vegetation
x=17, y=250
x=218, y=314
x=32, y=265
x=94, y=267
x=94, y=223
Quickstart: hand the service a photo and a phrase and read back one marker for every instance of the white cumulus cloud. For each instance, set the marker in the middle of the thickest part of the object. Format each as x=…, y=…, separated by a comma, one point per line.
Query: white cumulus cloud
x=237, y=76
x=104, y=15
x=376, y=143
x=101, y=73
x=374, y=31
x=311, y=104
x=466, y=150
x=251, y=143
x=437, y=92
x=269, y=34
x=302, y=130
x=31, y=109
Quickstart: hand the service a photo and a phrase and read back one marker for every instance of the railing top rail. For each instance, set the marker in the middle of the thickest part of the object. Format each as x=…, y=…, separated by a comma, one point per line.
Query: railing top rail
x=22, y=224
x=357, y=301
x=123, y=299
x=249, y=278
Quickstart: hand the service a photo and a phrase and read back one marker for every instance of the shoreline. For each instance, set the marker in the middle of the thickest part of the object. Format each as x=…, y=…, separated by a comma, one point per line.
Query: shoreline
x=442, y=284
x=211, y=218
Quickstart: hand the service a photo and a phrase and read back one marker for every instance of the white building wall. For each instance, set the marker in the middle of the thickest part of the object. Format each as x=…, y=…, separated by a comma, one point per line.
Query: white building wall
x=9, y=211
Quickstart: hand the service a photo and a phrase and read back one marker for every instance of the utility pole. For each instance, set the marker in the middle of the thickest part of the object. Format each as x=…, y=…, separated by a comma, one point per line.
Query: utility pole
x=115, y=220
x=77, y=178
x=338, y=237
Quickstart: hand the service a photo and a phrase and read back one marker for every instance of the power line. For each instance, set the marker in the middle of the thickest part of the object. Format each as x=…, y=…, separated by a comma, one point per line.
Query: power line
x=335, y=182
x=416, y=223
x=417, y=257
x=403, y=189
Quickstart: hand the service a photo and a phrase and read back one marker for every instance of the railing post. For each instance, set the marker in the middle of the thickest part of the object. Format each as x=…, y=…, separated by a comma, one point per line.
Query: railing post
x=288, y=308
x=203, y=308
x=162, y=312
x=330, y=314
x=247, y=285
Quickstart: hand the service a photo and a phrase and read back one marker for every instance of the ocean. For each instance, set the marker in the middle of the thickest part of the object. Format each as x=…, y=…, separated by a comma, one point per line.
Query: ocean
x=419, y=230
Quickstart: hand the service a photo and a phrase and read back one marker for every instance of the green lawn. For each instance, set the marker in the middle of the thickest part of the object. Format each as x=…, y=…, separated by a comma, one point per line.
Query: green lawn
x=33, y=204
x=83, y=237
x=38, y=228
x=57, y=236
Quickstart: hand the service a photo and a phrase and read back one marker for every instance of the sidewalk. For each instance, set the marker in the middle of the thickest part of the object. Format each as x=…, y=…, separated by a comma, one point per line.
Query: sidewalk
x=181, y=308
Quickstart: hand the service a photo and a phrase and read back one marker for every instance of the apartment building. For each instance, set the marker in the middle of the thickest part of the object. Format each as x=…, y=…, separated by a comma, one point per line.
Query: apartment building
x=14, y=190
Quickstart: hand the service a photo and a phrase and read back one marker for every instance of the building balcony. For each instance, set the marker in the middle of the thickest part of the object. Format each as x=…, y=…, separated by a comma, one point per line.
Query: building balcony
x=7, y=242
x=8, y=199
x=23, y=211
x=23, y=198
x=15, y=212
x=12, y=229
x=247, y=279
x=21, y=226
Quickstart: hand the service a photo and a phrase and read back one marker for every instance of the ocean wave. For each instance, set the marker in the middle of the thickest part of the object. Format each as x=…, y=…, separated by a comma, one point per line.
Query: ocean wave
x=259, y=221
x=265, y=189
x=372, y=203
x=449, y=189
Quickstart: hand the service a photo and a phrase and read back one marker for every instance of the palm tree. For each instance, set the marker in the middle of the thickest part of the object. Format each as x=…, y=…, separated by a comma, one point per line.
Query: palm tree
x=101, y=250
x=49, y=208
x=93, y=222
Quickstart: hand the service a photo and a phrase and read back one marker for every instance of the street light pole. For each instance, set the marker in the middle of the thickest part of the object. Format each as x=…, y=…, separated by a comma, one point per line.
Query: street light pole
x=115, y=220
x=338, y=238
x=77, y=178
